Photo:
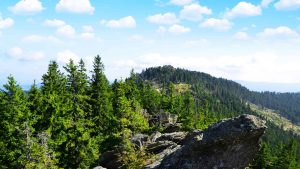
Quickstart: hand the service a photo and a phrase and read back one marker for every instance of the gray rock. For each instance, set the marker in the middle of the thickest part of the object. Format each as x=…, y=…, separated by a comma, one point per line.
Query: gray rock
x=176, y=137
x=99, y=167
x=230, y=143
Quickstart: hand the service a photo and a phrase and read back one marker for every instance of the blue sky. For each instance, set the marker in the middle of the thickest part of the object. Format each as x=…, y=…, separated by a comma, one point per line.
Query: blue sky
x=252, y=41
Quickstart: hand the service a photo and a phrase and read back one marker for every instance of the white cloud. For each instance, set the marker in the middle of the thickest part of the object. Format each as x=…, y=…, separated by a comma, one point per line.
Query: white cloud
x=217, y=24
x=194, y=12
x=178, y=29
x=137, y=38
x=243, y=9
x=241, y=36
x=27, y=7
x=126, y=22
x=266, y=3
x=161, y=29
x=66, y=30
x=88, y=28
x=19, y=54
x=253, y=66
x=198, y=42
x=75, y=6
x=287, y=4
x=62, y=28
x=281, y=31
x=163, y=19
x=181, y=2
x=6, y=23
x=54, y=23
x=88, y=32
x=40, y=38
x=64, y=57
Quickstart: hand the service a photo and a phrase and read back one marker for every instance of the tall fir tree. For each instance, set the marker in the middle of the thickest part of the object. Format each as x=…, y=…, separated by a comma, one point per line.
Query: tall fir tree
x=79, y=150
x=15, y=127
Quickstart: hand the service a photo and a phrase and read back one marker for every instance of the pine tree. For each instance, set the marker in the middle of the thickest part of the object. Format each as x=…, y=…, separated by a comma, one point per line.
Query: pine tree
x=15, y=126
x=79, y=150
x=100, y=99
x=263, y=159
x=188, y=114
x=127, y=116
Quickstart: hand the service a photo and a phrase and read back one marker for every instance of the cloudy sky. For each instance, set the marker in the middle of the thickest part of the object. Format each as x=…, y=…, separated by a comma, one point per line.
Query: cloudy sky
x=252, y=41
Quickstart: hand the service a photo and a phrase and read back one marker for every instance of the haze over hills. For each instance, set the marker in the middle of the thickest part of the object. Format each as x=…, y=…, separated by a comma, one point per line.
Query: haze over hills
x=272, y=87
x=253, y=86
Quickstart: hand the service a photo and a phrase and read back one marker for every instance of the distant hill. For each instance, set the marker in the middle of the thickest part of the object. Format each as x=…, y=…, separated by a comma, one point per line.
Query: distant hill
x=286, y=104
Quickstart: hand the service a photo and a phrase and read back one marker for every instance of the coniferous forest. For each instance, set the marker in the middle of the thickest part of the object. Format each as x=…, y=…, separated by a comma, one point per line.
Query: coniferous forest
x=74, y=116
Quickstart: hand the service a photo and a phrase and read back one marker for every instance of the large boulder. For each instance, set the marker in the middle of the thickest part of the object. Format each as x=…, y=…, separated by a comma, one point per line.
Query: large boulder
x=230, y=143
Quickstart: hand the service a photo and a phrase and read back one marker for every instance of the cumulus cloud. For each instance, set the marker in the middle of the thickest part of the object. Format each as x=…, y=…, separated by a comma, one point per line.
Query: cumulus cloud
x=40, y=38
x=62, y=28
x=194, y=12
x=217, y=24
x=54, y=23
x=287, y=4
x=88, y=32
x=78, y=6
x=27, y=7
x=198, y=42
x=65, y=56
x=6, y=23
x=181, y=2
x=241, y=36
x=178, y=29
x=163, y=19
x=19, y=54
x=253, y=66
x=266, y=3
x=161, y=29
x=125, y=22
x=66, y=30
x=243, y=9
x=281, y=31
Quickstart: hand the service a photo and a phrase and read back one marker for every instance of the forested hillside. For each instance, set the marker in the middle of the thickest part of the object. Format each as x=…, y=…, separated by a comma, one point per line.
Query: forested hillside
x=72, y=118
x=287, y=104
x=232, y=97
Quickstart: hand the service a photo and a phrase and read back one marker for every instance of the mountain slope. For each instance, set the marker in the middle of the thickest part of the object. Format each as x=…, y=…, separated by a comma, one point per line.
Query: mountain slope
x=287, y=104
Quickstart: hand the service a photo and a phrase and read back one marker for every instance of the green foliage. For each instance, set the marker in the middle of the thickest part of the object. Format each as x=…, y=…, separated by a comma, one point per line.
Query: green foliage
x=73, y=118
x=132, y=157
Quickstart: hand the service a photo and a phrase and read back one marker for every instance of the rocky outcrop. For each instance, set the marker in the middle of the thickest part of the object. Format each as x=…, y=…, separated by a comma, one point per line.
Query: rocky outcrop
x=230, y=143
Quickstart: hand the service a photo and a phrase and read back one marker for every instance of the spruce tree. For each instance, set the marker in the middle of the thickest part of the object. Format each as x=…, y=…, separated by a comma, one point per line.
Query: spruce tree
x=15, y=127
x=100, y=99
x=79, y=150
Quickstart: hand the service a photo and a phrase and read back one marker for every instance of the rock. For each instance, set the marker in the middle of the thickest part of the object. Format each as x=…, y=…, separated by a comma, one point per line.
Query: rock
x=230, y=143
x=140, y=139
x=173, y=128
x=99, y=167
x=110, y=159
x=154, y=136
x=176, y=137
x=160, y=146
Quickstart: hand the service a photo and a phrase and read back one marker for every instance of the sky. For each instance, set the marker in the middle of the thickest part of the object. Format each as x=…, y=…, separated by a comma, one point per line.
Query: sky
x=253, y=41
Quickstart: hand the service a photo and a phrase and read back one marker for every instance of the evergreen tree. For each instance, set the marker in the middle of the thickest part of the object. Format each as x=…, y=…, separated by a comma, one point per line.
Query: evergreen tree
x=100, y=99
x=188, y=114
x=263, y=159
x=79, y=150
x=15, y=127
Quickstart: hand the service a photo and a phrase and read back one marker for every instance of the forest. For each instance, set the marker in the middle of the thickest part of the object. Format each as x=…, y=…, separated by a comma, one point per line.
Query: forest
x=72, y=118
